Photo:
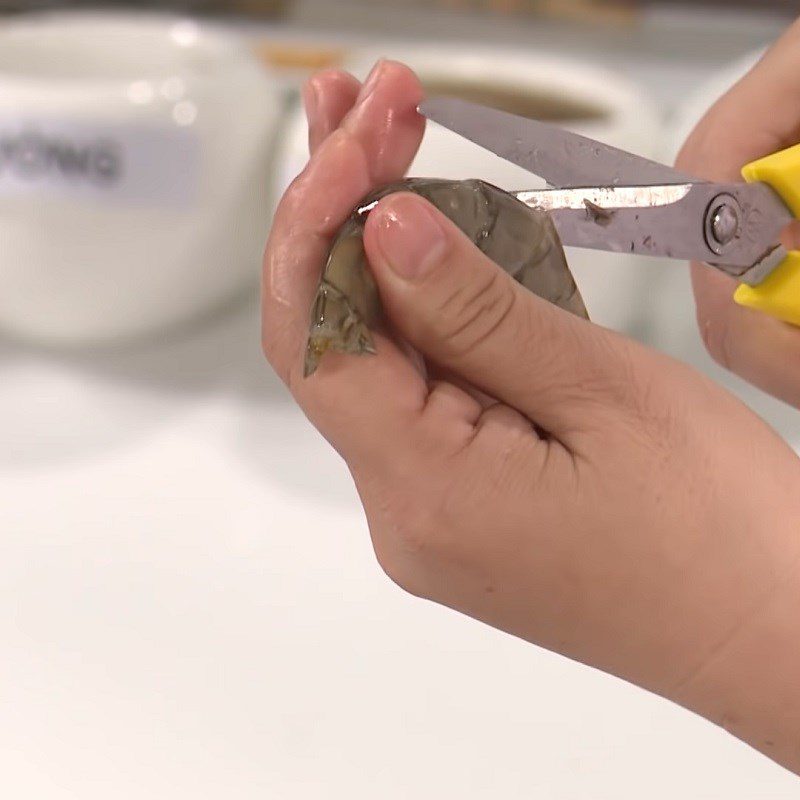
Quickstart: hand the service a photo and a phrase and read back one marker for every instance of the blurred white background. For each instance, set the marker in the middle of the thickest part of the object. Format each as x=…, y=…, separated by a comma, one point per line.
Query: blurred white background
x=192, y=608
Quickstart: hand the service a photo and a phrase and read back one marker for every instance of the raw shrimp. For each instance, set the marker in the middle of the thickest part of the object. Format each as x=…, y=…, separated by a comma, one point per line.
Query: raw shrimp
x=522, y=241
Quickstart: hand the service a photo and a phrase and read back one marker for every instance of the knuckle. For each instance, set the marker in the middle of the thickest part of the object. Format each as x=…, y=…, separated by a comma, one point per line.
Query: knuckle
x=471, y=315
x=409, y=536
x=404, y=550
x=292, y=200
x=416, y=531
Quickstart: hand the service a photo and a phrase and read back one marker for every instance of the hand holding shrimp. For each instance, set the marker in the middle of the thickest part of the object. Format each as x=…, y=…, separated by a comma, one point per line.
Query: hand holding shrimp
x=522, y=241
x=569, y=508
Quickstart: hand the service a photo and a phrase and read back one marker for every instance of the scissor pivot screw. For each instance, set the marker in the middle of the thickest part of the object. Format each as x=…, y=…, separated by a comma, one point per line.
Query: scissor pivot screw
x=723, y=223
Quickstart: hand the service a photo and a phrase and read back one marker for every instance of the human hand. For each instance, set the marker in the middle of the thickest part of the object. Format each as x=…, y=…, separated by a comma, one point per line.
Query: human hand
x=759, y=116
x=611, y=504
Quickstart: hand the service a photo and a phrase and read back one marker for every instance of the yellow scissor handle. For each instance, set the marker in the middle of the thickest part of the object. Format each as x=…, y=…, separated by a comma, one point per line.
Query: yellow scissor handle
x=779, y=294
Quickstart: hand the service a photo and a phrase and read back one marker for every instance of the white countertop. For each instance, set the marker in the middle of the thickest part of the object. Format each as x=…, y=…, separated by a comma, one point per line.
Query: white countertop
x=193, y=610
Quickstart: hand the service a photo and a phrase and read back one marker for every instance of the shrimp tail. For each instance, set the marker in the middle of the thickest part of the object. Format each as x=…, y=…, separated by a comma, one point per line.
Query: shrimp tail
x=336, y=326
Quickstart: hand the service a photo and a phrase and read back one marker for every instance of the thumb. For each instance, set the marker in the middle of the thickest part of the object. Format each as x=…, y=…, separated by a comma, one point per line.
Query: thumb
x=465, y=313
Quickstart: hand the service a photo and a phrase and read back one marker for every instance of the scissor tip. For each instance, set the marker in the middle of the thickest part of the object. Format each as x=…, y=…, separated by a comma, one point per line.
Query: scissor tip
x=431, y=105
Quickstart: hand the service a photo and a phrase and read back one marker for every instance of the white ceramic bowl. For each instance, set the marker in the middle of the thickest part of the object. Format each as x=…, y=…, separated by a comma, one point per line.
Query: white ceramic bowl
x=615, y=287
x=134, y=155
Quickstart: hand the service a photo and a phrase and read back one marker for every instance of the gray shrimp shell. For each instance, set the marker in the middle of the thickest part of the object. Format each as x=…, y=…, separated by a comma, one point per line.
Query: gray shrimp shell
x=522, y=241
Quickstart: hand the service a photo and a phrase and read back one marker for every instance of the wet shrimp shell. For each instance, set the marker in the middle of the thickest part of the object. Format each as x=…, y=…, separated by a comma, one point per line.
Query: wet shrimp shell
x=522, y=241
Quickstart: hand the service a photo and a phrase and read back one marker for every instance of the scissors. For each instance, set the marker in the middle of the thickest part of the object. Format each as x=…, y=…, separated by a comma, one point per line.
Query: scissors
x=602, y=198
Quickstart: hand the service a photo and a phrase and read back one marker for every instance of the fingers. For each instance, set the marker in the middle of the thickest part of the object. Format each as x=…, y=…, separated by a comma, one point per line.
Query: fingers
x=464, y=312
x=759, y=116
x=328, y=97
x=374, y=145
x=364, y=406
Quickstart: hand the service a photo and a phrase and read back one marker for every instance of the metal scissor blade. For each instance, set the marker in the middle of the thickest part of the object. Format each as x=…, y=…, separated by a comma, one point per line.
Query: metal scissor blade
x=563, y=159
x=667, y=221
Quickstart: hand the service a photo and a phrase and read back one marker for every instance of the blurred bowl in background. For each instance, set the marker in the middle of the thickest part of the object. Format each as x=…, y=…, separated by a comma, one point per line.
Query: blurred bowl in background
x=571, y=94
x=134, y=155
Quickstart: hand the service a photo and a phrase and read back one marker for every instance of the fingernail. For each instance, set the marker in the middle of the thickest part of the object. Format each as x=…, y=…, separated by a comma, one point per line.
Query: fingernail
x=371, y=82
x=311, y=100
x=410, y=238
